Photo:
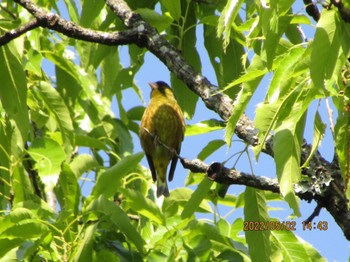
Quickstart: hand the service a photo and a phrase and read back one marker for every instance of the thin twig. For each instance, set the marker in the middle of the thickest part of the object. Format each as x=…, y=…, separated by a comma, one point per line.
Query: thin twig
x=8, y=12
x=12, y=34
x=158, y=141
x=330, y=116
x=314, y=214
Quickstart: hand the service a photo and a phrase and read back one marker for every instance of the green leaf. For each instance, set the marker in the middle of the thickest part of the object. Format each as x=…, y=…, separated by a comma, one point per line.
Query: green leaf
x=22, y=187
x=21, y=224
x=292, y=248
x=13, y=91
x=160, y=22
x=265, y=119
x=72, y=10
x=16, y=216
x=198, y=247
x=210, y=148
x=143, y=205
x=91, y=9
x=342, y=138
x=83, y=163
x=7, y=135
x=70, y=95
x=173, y=7
x=90, y=99
x=124, y=145
x=26, y=229
x=196, y=198
x=344, y=35
x=180, y=197
x=227, y=18
x=36, y=207
x=90, y=142
x=250, y=75
x=109, y=182
x=48, y=155
x=187, y=44
x=300, y=19
x=8, y=245
x=85, y=247
x=319, y=131
x=267, y=114
x=135, y=113
x=34, y=62
x=108, y=59
x=203, y=127
x=255, y=209
x=57, y=107
x=255, y=73
x=67, y=190
x=212, y=232
x=275, y=26
x=119, y=218
x=325, y=48
x=226, y=63
x=287, y=164
x=283, y=73
x=287, y=151
x=224, y=227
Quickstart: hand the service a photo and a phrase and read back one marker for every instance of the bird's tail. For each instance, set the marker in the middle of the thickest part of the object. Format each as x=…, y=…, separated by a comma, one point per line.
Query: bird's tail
x=162, y=188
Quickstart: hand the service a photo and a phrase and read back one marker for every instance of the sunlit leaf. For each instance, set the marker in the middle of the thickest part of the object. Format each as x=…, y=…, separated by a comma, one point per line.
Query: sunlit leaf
x=196, y=198
x=108, y=182
x=210, y=148
x=319, y=131
x=256, y=71
x=48, y=155
x=155, y=19
x=84, y=249
x=143, y=205
x=57, y=107
x=325, y=48
x=255, y=210
x=293, y=248
x=203, y=127
x=174, y=7
x=227, y=18
x=13, y=91
x=119, y=218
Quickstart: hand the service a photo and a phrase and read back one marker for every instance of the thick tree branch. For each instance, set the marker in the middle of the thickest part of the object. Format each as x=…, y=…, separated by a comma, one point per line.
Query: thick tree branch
x=223, y=175
x=312, y=10
x=70, y=29
x=321, y=187
x=345, y=13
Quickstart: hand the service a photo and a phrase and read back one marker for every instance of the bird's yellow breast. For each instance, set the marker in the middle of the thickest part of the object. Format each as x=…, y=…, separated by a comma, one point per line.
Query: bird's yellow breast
x=163, y=118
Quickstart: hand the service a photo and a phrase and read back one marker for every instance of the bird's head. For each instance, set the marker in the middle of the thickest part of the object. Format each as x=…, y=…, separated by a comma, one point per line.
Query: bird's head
x=161, y=88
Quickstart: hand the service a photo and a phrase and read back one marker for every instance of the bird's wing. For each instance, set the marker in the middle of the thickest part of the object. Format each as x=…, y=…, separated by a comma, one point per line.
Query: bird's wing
x=151, y=166
x=173, y=164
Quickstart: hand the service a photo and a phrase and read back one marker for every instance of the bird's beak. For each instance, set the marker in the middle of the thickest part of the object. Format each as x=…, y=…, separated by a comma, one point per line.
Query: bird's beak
x=153, y=85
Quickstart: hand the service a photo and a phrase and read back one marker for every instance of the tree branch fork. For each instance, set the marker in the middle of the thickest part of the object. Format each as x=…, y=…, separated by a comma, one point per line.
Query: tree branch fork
x=142, y=34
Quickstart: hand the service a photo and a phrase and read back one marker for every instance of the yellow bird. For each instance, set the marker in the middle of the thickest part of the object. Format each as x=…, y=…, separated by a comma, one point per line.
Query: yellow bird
x=162, y=123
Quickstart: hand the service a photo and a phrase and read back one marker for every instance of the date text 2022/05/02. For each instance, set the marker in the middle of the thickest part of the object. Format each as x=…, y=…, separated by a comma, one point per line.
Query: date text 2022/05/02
x=284, y=225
